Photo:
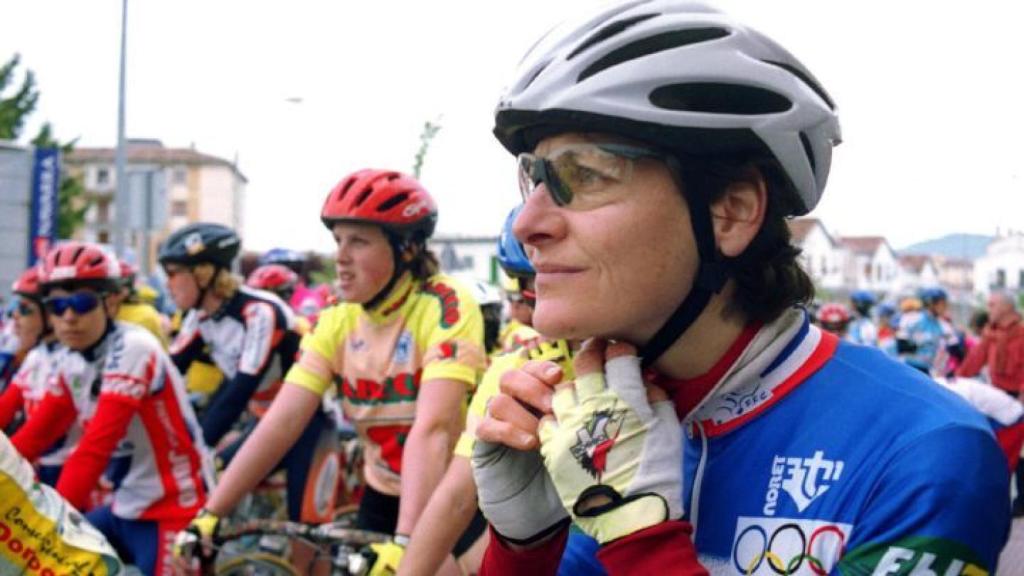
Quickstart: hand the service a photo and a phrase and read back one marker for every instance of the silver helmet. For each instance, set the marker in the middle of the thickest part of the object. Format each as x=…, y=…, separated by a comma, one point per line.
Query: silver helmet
x=679, y=75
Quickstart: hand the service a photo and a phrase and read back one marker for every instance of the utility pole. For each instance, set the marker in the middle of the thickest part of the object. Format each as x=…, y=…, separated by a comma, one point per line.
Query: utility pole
x=121, y=200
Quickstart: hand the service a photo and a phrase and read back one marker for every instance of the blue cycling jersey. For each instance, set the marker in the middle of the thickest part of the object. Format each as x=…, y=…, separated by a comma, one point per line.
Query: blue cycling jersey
x=811, y=456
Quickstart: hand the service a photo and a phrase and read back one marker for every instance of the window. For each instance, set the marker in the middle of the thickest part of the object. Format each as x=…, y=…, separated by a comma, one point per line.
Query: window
x=179, y=176
x=179, y=208
x=102, y=176
x=1020, y=279
x=1000, y=278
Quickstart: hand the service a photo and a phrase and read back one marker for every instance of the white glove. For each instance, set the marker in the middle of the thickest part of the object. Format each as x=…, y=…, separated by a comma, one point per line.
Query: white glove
x=615, y=460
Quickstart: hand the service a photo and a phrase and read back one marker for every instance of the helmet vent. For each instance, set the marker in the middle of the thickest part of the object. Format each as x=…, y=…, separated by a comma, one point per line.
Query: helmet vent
x=609, y=31
x=719, y=98
x=809, y=151
x=806, y=78
x=74, y=256
x=393, y=201
x=393, y=176
x=652, y=45
x=346, y=188
x=363, y=196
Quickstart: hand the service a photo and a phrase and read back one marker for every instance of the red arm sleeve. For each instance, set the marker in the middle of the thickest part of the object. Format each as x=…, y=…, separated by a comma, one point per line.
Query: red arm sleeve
x=85, y=465
x=501, y=560
x=662, y=549
x=975, y=360
x=10, y=403
x=53, y=418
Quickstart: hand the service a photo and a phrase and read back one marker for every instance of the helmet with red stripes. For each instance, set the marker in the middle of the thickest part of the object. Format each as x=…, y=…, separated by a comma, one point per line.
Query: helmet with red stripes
x=273, y=277
x=395, y=201
x=80, y=264
x=28, y=283
x=833, y=314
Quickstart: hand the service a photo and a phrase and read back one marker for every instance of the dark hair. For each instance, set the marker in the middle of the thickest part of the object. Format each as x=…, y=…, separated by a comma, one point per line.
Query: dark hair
x=424, y=264
x=768, y=277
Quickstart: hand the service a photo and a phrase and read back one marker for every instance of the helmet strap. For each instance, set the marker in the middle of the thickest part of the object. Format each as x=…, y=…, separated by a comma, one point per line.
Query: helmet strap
x=399, y=246
x=204, y=289
x=712, y=268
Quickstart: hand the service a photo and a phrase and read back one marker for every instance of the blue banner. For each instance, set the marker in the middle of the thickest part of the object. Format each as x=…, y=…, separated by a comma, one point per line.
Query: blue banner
x=43, y=216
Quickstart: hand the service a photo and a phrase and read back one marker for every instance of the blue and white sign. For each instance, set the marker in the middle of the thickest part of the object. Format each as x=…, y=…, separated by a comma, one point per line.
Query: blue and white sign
x=43, y=216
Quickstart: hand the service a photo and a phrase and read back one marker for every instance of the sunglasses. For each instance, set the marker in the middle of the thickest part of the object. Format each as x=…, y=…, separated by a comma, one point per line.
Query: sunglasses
x=80, y=302
x=25, y=309
x=579, y=176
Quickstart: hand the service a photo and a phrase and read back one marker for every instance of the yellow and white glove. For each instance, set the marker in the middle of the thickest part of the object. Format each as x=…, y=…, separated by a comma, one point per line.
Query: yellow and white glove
x=615, y=460
x=195, y=542
x=386, y=556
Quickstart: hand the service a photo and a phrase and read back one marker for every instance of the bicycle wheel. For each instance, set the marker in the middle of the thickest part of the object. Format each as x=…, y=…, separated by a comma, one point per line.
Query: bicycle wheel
x=255, y=564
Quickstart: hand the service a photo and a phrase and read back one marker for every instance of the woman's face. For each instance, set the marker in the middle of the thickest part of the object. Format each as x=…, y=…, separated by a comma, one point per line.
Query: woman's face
x=363, y=260
x=28, y=322
x=615, y=264
x=182, y=285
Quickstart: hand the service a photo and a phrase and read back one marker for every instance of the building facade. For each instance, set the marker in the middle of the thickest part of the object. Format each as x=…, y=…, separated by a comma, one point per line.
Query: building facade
x=189, y=186
x=1002, y=266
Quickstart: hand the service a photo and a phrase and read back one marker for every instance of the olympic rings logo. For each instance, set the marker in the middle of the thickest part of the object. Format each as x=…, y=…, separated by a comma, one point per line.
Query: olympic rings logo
x=755, y=546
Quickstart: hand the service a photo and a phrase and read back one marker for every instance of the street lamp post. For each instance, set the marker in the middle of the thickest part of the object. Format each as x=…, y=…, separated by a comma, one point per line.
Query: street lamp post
x=121, y=198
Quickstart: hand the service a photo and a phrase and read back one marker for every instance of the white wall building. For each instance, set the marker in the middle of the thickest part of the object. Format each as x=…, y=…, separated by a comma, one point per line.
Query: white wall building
x=1002, y=266
x=822, y=258
x=471, y=256
x=916, y=271
x=198, y=187
x=871, y=265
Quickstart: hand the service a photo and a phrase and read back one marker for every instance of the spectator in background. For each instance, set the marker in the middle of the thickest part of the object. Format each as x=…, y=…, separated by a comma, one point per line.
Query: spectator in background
x=1001, y=351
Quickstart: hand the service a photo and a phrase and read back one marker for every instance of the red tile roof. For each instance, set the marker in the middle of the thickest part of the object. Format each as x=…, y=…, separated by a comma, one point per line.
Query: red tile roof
x=800, y=228
x=863, y=244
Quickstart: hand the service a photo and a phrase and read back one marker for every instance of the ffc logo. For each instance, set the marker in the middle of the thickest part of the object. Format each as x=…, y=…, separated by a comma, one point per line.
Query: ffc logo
x=802, y=478
x=595, y=441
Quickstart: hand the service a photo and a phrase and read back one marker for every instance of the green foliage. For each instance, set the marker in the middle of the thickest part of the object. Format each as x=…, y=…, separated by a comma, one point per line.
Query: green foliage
x=430, y=129
x=72, y=201
x=16, y=108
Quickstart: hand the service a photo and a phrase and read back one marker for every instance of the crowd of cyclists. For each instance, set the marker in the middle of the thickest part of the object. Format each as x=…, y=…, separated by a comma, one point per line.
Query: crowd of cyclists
x=653, y=388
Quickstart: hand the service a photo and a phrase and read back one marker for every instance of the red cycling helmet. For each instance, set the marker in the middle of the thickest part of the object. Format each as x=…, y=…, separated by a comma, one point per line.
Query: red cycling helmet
x=77, y=264
x=393, y=200
x=28, y=283
x=833, y=314
x=273, y=277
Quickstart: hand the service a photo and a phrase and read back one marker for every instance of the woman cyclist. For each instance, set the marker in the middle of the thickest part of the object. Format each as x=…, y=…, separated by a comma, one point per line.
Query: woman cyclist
x=661, y=147
x=116, y=381
x=250, y=335
x=28, y=386
x=405, y=349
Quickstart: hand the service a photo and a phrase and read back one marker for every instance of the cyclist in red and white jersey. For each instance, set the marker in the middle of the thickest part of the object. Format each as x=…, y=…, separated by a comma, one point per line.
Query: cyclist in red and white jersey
x=28, y=385
x=117, y=382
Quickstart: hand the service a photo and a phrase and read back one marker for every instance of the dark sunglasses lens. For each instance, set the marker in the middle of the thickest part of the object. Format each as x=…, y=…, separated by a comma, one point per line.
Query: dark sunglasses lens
x=25, y=310
x=557, y=187
x=81, y=303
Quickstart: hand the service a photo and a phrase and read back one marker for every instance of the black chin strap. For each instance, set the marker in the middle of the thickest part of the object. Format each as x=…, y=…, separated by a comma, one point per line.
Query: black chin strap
x=397, y=247
x=204, y=289
x=712, y=268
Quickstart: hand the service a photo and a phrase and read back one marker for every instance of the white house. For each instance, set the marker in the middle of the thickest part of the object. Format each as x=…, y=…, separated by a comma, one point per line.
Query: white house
x=822, y=258
x=473, y=256
x=1002, y=266
x=916, y=271
x=871, y=265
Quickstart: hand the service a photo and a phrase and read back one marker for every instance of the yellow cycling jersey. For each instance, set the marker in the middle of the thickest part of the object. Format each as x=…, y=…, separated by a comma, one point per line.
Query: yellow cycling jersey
x=145, y=316
x=556, y=351
x=424, y=330
x=40, y=533
x=515, y=335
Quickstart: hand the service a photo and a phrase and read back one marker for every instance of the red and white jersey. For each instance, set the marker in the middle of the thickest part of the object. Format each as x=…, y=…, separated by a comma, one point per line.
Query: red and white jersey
x=32, y=379
x=129, y=399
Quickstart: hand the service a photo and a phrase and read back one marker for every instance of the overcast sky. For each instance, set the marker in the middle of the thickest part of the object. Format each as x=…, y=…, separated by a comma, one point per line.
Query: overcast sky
x=930, y=98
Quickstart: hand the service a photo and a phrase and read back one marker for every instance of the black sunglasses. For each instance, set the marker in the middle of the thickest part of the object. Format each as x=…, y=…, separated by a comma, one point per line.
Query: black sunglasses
x=80, y=302
x=576, y=167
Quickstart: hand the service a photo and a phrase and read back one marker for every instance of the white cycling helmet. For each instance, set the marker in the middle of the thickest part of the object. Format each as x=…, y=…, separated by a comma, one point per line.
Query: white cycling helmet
x=680, y=75
x=696, y=84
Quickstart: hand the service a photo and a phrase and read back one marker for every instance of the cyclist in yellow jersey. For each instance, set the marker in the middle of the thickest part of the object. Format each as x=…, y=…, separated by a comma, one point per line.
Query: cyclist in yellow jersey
x=405, y=348
x=134, y=311
x=453, y=506
x=40, y=532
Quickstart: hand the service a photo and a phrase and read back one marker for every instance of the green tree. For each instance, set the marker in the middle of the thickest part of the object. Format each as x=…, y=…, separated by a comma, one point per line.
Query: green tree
x=430, y=129
x=14, y=111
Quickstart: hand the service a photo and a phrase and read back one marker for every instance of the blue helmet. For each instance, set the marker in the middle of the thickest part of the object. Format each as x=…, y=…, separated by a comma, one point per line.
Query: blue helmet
x=862, y=298
x=511, y=255
x=886, y=309
x=282, y=256
x=933, y=295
